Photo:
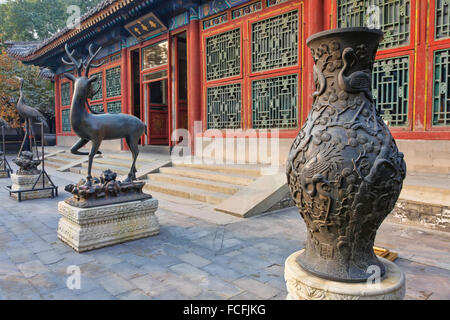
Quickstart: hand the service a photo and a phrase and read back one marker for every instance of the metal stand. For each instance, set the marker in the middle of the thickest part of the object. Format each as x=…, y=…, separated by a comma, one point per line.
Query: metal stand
x=42, y=175
x=4, y=164
x=32, y=139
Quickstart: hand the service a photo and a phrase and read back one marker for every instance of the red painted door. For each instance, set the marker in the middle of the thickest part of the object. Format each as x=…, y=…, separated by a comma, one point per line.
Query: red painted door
x=158, y=113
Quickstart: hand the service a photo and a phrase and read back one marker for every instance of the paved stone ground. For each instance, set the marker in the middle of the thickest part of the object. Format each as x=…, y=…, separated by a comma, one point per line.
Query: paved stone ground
x=190, y=259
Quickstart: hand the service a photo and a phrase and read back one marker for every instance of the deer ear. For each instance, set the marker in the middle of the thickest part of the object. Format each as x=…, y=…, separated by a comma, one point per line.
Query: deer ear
x=69, y=76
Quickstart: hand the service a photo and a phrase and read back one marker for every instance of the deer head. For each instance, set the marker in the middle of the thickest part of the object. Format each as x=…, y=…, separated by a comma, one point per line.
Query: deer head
x=82, y=83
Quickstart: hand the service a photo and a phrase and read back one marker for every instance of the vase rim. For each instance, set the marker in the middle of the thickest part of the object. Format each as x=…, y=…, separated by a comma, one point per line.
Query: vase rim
x=343, y=30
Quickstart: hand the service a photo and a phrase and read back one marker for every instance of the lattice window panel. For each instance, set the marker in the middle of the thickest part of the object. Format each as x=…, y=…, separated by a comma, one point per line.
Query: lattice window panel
x=65, y=120
x=275, y=42
x=274, y=102
x=390, y=89
x=442, y=19
x=98, y=107
x=223, y=55
x=224, y=107
x=393, y=17
x=114, y=107
x=113, y=85
x=98, y=85
x=65, y=94
x=441, y=88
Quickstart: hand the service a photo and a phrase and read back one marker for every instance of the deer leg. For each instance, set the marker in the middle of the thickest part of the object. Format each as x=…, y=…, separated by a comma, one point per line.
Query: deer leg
x=77, y=146
x=133, y=144
x=94, y=149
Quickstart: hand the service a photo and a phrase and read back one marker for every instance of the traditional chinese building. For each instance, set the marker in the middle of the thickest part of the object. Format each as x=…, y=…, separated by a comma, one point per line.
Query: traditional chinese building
x=239, y=64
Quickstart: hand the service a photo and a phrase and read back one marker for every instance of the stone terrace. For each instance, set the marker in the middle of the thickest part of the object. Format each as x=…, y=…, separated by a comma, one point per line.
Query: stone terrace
x=192, y=258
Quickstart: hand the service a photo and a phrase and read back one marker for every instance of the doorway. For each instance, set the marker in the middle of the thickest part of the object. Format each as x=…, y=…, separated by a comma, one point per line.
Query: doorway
x=136, y=83
x=158, y=112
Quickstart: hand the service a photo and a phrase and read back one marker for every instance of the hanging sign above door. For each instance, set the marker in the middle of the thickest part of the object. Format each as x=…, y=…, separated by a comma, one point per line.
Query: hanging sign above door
x=146, y=26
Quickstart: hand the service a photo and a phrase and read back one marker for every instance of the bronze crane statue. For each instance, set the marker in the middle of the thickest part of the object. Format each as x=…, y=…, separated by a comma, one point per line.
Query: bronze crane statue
x=29, y=114
x=98, y=127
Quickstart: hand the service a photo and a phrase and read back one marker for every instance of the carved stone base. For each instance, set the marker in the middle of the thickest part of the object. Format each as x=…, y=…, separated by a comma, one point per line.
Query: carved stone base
x=302, y=285
x=86, y=229
x=26, y=182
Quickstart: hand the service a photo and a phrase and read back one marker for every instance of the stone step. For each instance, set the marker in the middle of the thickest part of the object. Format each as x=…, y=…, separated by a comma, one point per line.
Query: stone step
x=427, y=188
x=126, y=156
x=249, y=170
x=164, y=150
x=51, y=164
x=221, y=187
x=183, y=192
x=58, y=159
x=83, y=171
x=102, y=167
x=71, y=156
x=119, y=162
x=208, y=175
x=113, y=161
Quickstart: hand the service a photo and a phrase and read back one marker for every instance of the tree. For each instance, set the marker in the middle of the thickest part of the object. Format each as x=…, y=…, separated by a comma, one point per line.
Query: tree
x=26, y=20
x=38, y=92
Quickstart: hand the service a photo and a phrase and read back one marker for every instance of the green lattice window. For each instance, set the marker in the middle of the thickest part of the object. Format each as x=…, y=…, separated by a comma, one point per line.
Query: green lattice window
x=113, y=86
x=65, y=120
x=98, y=107
x=275, y=42
x=441, y=88
x=442, y=19
x=223, y=55
x=391, y=16
x=274, y=102
x=114, y=107
x=97, y=86
x=224, y=107
x=65, y=94
x=390, y=88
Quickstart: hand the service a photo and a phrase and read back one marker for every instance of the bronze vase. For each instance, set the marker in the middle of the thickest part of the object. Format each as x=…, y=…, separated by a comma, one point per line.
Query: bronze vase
x=344, y=170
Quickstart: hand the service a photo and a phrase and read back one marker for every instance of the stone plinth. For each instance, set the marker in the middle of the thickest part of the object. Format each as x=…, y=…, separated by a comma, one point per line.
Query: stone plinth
x=302, y=285
x=26, y=182
x=86, y=229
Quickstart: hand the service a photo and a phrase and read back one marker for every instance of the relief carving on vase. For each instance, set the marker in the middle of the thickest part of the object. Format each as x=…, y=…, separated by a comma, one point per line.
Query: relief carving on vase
x=344, y=170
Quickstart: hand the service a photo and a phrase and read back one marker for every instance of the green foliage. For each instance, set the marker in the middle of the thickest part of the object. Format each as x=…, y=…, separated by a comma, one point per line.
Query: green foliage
x=26, y=20
x=38, y=92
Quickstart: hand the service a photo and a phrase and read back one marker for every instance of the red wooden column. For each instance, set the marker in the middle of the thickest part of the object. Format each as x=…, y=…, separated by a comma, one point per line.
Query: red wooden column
x=194, y=77
x=314, y=22
x=125, y=81
x=57, y=107
x=421, y=59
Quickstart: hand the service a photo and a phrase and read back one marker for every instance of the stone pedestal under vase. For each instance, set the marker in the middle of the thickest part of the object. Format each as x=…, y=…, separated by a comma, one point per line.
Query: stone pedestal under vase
x=86, y=229
x=344, y=170
x=25, y=184
x=302, y=285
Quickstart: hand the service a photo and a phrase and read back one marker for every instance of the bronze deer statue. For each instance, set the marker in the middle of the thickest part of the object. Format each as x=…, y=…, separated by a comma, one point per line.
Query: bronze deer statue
x=96, y=127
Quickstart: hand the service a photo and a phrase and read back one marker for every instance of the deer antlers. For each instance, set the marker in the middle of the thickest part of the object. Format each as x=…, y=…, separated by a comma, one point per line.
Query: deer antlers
x=80, y=64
